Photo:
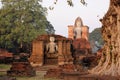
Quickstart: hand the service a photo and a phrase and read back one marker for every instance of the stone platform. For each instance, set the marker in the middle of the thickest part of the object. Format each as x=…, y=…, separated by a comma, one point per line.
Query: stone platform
x=21, y=69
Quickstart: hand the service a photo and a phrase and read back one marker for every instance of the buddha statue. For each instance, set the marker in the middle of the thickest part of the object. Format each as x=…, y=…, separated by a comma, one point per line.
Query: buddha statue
x=52, y=48
x=77, y=30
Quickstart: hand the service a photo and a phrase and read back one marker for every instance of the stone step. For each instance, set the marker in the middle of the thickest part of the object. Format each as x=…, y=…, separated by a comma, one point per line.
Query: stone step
x=51, y=61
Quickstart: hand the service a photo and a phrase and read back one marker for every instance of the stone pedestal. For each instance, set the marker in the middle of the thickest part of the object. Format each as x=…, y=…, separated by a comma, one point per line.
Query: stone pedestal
x=81, y=50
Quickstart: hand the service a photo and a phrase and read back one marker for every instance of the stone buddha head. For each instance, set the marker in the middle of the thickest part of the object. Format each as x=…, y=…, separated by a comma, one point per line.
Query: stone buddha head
x=78, y=22
x=52, y=39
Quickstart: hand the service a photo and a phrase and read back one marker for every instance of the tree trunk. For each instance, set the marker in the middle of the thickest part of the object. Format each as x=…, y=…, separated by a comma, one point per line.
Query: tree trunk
x=110, y=61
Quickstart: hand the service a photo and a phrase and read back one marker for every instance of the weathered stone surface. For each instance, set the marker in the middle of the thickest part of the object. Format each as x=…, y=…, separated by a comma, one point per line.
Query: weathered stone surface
x=81, y=44
x=81, y=48
x=5, y=56
x=70, y=31
x=21, y=66
x=53, y=73
x=51, y=61
x=90, y=61
x=68, y=67
x=85, y=32
x=57, y=72
x=21, y=69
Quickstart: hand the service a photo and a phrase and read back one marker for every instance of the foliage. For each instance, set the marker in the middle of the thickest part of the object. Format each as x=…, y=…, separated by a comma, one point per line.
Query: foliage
x=20, y=22
x=96, y=35
x=50, y=28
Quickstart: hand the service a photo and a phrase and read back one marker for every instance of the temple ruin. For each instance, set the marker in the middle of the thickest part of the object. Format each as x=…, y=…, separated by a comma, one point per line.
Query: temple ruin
x=40, y=55
x=59, y=50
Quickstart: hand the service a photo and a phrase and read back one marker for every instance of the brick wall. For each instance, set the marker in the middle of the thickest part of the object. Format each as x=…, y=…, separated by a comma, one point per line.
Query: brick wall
x=70, y=31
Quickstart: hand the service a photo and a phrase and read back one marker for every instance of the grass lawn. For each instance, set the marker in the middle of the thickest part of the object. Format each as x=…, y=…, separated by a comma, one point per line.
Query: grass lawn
x=5, y=66
x=39, y=74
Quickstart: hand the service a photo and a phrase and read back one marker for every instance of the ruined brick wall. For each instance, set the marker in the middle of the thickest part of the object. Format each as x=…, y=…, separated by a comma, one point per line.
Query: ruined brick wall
x=37, y=53
x=85, y=32
x=70, y=31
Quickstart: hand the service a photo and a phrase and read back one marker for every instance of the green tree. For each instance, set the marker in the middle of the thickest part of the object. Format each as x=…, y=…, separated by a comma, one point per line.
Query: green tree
x=96, y=35
x=50, y=28
x=20, y=22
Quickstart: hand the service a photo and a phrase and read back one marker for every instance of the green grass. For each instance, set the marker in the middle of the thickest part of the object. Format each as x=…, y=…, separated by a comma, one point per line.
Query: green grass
x=5, y=66
x=2, y=73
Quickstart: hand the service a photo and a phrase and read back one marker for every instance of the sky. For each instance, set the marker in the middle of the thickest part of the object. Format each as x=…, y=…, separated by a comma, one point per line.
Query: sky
x=63, y=15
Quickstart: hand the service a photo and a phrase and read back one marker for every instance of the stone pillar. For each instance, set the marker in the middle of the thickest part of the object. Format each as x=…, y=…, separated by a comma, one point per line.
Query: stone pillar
x=70, y=31
x=65, y=52
x=36, y=59
x=60, y=53
x=68, y=46
x=85, y=32
x=41, y=53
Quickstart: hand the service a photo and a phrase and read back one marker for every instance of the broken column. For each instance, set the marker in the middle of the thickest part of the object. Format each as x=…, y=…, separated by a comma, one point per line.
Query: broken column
x=70, y=31
x=36, y=59
x=60, y=53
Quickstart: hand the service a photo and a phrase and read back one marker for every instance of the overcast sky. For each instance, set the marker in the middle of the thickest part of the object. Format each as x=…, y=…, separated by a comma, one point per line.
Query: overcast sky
x=64, y=15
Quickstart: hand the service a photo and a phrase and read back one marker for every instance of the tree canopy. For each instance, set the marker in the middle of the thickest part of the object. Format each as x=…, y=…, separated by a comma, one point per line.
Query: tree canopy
x=20, y=22
x=96, y=35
